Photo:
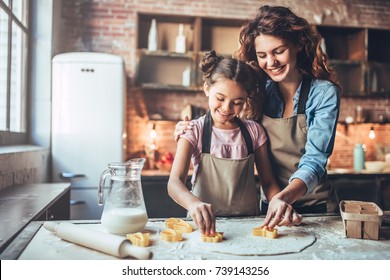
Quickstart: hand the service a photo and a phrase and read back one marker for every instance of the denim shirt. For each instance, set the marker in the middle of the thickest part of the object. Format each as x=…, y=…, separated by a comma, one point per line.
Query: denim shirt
x=322, y=112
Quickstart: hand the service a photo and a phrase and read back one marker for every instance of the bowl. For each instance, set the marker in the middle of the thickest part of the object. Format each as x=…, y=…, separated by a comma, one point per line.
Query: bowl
x=374, y=166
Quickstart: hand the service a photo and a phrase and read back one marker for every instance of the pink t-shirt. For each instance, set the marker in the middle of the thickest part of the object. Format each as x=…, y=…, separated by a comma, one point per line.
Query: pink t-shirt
x=225, y=143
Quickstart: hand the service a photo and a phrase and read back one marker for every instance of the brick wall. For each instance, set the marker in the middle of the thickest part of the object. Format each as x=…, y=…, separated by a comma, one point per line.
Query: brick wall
x=110, y=26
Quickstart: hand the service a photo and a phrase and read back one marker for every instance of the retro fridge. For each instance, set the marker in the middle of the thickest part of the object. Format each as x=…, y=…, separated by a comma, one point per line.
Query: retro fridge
x=88, y=97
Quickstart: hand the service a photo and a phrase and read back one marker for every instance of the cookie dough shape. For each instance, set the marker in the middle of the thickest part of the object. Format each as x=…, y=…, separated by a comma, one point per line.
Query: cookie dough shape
x=178, y=225
x=139, y=239
x=265, y=232
x=171, y=235
x=238, y=240
x=217, y=237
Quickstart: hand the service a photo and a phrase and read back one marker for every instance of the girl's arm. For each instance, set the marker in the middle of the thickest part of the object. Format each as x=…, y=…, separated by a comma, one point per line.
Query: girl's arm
x=202, y=213
x=280, y=212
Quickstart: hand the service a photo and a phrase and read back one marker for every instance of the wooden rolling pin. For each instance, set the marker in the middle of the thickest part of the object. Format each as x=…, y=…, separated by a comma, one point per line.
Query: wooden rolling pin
x=111, y=244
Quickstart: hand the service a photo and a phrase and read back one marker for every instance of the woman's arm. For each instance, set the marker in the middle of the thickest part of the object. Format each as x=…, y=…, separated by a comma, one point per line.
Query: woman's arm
x=181, y=127
x=202, y=213
x=322, y=113
x=280, y=212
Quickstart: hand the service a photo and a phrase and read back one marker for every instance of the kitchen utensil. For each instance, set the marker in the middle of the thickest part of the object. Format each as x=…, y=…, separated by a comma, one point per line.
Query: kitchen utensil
x=374, y=166
x=97, y=240
x=124, y=210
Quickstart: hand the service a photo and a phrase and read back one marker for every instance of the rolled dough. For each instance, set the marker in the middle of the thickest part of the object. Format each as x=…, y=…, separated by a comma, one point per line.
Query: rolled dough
x=238, y=240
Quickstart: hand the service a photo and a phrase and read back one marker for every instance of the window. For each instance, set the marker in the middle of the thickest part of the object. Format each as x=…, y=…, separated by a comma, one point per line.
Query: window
x=13, y=70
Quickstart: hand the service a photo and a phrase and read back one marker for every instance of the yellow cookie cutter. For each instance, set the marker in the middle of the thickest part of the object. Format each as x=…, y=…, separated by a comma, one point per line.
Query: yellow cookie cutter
x=265, y=232
x=171, y=235
x=217, y=237
x=178, y=225
x=139, y=239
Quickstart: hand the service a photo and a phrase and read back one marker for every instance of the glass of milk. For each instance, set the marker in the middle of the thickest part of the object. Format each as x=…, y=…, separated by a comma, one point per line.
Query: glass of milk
x=124, y=209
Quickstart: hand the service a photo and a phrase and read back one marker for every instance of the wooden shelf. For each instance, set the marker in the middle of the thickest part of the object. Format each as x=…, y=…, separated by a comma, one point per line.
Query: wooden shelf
x=359, y=55
x=167, y=87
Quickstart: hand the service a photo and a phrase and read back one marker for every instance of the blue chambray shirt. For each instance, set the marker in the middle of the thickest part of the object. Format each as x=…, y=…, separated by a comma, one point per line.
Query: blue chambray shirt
x=322, y=112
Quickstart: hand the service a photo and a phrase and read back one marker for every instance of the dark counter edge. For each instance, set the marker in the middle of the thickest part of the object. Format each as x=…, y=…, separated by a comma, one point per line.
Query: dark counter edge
x=5, y=243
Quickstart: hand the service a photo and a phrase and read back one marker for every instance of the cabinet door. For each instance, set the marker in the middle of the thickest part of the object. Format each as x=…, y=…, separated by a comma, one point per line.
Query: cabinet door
x=358, y=189
x=157, y=200
x=59, y=210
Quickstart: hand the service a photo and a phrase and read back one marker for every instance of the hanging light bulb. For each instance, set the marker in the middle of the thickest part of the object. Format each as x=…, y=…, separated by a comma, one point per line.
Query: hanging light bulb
x=153, y=133
x=371, y=134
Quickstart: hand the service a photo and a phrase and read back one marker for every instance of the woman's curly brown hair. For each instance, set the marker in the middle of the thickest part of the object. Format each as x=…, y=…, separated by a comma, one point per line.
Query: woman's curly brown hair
x=282, y=23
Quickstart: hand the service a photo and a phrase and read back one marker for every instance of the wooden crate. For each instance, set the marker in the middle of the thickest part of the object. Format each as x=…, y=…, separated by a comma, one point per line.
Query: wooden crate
x=361, y=219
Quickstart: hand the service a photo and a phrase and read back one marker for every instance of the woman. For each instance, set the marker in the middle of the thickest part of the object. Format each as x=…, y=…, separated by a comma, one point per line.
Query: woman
x=300, y=113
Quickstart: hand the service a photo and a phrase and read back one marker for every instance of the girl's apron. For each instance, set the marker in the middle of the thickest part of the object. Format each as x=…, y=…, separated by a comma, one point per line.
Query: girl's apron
x=227, y=184
x=287, y=140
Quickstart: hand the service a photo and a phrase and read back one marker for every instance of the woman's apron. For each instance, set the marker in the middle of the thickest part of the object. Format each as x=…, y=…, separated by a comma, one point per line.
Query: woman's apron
x=287, y=140
x=227, y=184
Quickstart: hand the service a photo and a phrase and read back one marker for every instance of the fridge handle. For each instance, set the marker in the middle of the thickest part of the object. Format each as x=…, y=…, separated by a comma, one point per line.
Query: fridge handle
x=69, y=176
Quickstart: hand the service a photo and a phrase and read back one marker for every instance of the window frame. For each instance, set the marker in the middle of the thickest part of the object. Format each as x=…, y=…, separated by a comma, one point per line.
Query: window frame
x=8, y=137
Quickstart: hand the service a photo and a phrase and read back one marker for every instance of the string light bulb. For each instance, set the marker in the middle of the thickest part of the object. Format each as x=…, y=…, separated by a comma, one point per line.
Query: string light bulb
x=153, y=133
x=371, y=134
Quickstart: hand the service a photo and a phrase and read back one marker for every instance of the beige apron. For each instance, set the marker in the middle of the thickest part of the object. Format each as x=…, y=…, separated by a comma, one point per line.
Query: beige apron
x=227, y=184
x=287, y=140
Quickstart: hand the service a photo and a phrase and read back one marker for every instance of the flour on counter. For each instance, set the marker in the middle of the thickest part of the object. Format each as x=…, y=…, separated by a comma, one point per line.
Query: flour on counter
x=238, y=240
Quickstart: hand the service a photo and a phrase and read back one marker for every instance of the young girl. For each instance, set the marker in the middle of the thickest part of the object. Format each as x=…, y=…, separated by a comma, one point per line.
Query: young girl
x=223, y=149
x=300, y=114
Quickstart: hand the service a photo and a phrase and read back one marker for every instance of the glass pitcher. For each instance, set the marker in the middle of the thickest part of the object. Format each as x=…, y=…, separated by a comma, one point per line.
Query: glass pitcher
x=124, y=209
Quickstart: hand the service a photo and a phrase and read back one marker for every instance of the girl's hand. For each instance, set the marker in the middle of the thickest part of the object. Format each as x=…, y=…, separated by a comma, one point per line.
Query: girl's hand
x=203, y=216
x=281, y=213
x=181, y=127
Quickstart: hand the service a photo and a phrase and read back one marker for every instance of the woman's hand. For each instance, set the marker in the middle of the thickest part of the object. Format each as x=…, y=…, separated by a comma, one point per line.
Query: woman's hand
x=280, y=213
x=181, y=127
x=203, y=216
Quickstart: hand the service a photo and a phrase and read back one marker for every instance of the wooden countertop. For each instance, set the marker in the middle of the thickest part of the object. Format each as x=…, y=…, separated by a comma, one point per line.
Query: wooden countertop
x=22, y=204
x=329, y=242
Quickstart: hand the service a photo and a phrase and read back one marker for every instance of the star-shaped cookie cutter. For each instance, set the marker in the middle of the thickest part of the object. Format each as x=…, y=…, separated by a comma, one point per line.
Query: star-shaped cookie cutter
x=139, y=239
x=265, y=232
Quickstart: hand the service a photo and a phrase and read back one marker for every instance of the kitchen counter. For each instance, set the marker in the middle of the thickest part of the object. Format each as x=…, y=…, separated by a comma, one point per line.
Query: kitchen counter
x=24, y=203
x=327, y=233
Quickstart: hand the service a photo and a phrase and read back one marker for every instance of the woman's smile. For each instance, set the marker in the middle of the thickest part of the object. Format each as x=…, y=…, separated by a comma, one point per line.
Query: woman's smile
x=277, y=70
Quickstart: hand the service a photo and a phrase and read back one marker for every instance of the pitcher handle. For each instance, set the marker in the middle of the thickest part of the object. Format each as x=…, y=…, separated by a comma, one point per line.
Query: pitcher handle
x=101, y=186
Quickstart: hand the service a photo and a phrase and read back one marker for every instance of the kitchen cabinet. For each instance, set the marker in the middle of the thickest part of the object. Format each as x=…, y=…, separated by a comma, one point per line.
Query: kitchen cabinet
x=157, y=200
x=373, y=187
x=359, y=55
x=165, y=69
x=360, y=58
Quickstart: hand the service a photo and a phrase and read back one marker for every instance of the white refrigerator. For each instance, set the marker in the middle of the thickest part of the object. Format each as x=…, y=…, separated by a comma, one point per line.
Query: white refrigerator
x=88, y=99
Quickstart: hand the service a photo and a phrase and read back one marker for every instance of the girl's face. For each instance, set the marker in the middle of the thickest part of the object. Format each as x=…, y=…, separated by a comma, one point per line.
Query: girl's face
x=226, y=100
x=277, y=58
